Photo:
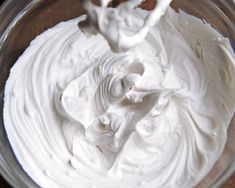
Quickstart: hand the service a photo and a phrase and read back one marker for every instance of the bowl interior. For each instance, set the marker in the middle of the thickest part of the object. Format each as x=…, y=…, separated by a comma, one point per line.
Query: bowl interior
x=35, y=17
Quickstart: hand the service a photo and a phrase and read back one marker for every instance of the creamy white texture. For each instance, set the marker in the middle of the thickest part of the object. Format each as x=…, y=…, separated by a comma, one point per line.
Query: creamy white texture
x=79, y=115
x=114, y=24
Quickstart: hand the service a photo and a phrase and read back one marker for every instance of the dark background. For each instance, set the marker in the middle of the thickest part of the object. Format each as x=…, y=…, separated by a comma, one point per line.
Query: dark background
x=3, y=183
x=229, y=184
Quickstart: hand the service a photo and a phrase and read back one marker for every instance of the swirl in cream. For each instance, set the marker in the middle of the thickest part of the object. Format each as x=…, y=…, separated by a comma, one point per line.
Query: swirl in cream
x=79, y=115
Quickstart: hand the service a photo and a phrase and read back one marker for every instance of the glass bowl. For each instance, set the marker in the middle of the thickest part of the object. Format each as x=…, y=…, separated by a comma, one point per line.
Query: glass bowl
x=23, y=20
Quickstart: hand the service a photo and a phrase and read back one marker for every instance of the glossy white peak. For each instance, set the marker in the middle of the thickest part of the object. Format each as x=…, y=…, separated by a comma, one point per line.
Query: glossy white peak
x=115, y=24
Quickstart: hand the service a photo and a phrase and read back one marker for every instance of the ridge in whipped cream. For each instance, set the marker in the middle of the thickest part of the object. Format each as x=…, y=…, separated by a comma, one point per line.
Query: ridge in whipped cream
x=79, y=115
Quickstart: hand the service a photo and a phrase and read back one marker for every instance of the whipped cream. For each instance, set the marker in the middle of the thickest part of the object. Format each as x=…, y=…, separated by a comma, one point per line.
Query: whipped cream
x=114, y=24
x=79, y=115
